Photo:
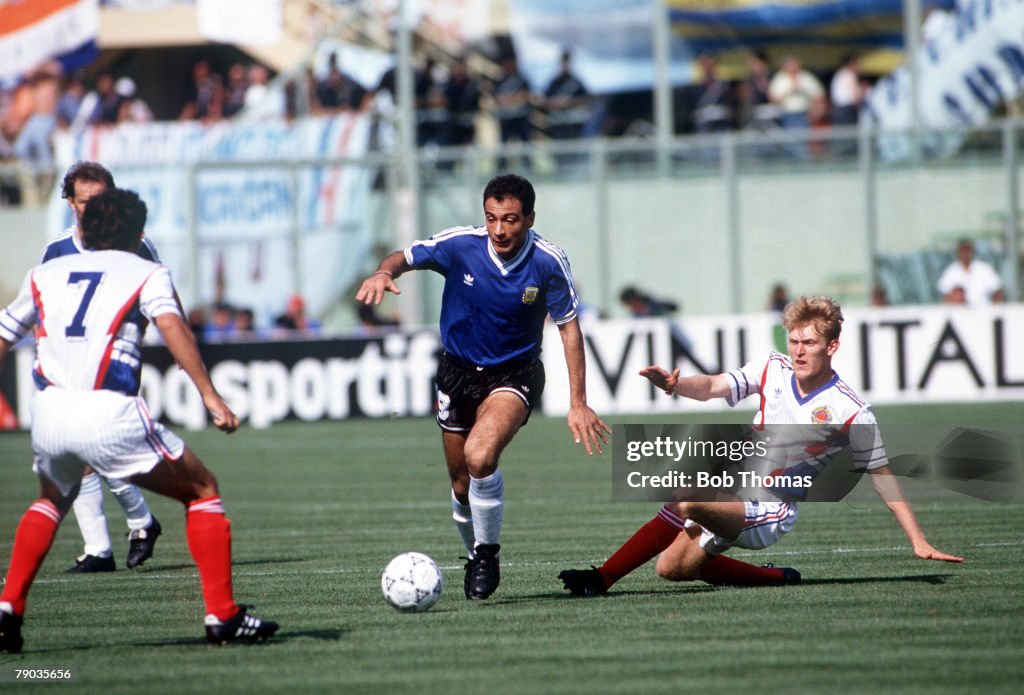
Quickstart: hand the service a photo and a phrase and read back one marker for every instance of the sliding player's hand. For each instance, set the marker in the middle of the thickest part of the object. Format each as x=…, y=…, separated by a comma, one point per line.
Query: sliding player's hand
x=588, y=428
x=926, y=552
x=661, y=378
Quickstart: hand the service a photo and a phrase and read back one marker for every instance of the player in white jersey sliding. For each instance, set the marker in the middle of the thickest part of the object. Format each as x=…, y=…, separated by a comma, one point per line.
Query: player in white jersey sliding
x=801, y=389
x=88, y=311
x=82, y=181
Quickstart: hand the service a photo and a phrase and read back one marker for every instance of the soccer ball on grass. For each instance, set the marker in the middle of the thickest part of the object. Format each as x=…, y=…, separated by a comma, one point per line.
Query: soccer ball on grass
x=411, y=582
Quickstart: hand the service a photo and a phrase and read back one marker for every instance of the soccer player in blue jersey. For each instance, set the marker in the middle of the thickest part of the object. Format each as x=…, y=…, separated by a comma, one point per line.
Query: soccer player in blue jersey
x=502, y=280
x=82, y=182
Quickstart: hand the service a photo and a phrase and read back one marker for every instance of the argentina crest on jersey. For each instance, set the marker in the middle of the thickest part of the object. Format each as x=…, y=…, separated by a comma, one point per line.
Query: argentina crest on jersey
x=530, y=294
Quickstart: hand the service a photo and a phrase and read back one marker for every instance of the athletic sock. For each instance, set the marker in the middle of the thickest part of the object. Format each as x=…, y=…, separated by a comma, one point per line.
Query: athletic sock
x=652, y=538
x=487, y=503
x=92, y=523
x=32, y=541
x=130, y=498
x=725, y=570
x=209, y=540
x=463, y=516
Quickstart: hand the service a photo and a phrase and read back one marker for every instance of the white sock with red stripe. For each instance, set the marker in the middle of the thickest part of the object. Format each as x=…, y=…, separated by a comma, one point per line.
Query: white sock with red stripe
x=487, y=505
x=92, y=523
x=32, y=542
x=463, y=516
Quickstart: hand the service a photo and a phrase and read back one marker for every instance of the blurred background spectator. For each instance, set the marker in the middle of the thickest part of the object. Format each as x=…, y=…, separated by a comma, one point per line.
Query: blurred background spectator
x=779, y=298
x=462, y=97
x=294, y=317
x=338, y=91
x=513, y=105
x=968, y=280
x=715, y=109
x=797, y=93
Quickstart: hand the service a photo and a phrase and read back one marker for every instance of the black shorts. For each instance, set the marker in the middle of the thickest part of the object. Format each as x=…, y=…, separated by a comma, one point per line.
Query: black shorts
x=462, y=387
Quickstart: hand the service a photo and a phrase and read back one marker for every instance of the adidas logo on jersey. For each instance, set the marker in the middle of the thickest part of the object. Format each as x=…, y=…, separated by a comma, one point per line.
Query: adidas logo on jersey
x=468, y=279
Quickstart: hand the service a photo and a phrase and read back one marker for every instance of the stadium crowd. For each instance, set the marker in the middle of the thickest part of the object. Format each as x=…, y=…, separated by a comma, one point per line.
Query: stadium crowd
x=450, y=100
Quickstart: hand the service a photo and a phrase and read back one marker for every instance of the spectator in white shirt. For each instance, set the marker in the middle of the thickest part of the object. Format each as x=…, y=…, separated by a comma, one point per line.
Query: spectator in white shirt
x=970, y=281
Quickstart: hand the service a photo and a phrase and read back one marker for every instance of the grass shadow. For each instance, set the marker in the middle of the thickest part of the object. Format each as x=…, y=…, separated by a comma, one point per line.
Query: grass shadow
x=234, y=563
x=331, y=635
x=921, y=578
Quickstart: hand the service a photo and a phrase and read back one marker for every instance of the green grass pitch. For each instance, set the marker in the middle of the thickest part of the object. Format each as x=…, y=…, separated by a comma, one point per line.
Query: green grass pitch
x=318, y=509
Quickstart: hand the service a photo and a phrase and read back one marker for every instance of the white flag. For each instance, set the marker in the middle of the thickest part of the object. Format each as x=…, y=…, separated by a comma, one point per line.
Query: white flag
x=241, y=21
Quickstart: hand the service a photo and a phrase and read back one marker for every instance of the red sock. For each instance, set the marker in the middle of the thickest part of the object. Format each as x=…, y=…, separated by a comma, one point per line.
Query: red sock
x=209, y=540
x=32, y=541
x=652, y=538
x=724, y=570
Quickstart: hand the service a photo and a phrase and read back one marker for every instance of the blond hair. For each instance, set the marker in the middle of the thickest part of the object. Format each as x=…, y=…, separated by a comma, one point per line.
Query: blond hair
x=824, y=313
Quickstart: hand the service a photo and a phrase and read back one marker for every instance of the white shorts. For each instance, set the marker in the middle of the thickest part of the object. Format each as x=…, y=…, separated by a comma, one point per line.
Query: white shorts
x=766, y=523
x=109, y=431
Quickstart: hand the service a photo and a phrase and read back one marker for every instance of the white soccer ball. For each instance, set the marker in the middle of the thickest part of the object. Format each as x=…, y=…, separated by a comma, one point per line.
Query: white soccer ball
x=411, y=582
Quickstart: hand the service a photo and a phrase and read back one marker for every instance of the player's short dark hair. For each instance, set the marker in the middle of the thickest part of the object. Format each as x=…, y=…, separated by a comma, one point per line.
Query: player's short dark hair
x=511, y=186
x=114, y=219
x=824, y=313
x=84, y=171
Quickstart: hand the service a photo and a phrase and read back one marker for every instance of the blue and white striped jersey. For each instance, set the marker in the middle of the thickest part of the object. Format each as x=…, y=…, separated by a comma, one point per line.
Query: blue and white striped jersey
x=493, y=310
x=68, y=243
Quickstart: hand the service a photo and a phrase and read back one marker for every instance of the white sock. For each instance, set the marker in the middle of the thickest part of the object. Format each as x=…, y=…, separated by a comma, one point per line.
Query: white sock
x=464, y=523
x=130, y=498
x=88, y=508
x=487, y=502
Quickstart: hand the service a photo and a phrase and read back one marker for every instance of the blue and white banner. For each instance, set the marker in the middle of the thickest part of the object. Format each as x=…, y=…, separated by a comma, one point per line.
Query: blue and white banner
x=242, y=225
x=970, y=62
x=610, y=40
x=791, y=25
x=35, y=31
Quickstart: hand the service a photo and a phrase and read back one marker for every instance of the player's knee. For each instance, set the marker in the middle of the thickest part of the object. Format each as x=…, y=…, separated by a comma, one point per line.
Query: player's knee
x=673, y=570
x=681, y=509
x=481, y=461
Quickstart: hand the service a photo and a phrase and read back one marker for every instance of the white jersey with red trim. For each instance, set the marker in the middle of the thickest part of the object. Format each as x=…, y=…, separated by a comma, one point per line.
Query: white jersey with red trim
x=805, y=433
x=89, y=311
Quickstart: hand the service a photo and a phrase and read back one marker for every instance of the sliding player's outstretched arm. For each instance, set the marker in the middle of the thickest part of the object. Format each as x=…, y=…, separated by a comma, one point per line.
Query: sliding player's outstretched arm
x=699, y=387
x=182, y=345
x=889, y=489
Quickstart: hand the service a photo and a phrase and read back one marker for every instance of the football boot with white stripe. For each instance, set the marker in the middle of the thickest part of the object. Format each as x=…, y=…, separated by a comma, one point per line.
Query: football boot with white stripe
x=141, y=543
x=241, y=627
